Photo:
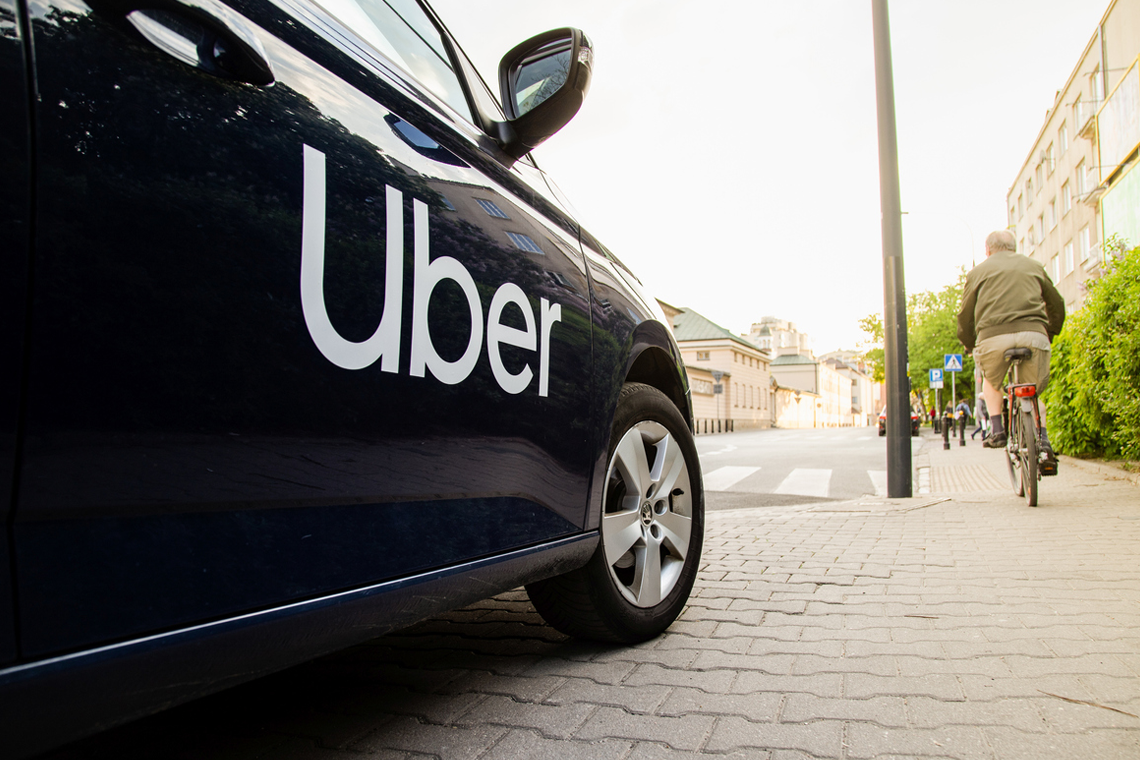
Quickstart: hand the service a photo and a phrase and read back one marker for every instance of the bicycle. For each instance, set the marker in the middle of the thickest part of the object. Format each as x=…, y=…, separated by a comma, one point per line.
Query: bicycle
x=1025, y=457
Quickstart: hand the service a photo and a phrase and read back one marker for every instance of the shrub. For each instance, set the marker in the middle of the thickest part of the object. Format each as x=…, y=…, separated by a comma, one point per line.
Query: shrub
x=1094, y=394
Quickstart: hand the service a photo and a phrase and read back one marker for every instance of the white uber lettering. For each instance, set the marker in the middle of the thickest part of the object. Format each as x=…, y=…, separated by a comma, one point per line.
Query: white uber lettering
x=385, y=342
x=498, y=333
x=550, y=315
x=427, y=276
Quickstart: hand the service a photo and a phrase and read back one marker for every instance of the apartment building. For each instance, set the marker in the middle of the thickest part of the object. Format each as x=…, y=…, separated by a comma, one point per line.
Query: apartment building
x=1077, y=186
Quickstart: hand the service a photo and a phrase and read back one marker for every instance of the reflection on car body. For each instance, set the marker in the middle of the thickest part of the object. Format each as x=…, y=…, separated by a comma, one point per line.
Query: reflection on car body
x=285, y=381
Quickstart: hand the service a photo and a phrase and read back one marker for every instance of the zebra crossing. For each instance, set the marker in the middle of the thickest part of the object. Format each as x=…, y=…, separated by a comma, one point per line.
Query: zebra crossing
x=800, y=481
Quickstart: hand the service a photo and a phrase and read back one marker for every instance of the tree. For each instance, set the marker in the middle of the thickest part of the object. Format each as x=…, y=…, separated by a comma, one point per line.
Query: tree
x=872, y=324
x=932, y=332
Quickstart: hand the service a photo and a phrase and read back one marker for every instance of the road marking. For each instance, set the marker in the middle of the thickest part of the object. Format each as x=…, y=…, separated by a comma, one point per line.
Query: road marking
x=879, y=481
x=723, y=478
x=725, y=450
x=804, y=482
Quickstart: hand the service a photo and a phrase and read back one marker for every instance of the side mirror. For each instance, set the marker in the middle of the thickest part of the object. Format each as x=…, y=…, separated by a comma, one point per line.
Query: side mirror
x=543, y=82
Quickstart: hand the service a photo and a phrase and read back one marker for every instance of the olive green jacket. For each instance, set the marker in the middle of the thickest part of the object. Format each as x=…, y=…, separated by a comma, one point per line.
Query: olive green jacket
x=1008, y=293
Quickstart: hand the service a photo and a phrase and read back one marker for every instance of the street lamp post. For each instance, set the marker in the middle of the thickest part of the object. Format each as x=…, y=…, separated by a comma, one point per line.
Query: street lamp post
x=899, y=482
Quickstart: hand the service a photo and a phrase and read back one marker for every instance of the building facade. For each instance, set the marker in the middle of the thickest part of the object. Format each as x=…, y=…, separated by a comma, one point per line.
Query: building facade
x=1076, y=187
x=714, y=357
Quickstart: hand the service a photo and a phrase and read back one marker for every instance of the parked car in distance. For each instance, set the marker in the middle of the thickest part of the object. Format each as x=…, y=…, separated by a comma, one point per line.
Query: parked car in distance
x=915, y=422
x=312, y=351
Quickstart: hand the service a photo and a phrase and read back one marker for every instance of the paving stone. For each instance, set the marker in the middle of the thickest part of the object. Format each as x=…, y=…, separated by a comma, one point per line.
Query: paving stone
x=966, y=742
x=821, y=685
x=687, y=732
x=528, y=744
x=881, y=711
x=755, y=707
x=713, y=681
x=638, y=699
x=776, y=664
x=1111, y=744
x=552, y=721
x=446, y=742
x=650, y=751
x=820, y=739
x=864, y=686
x=1021, y=714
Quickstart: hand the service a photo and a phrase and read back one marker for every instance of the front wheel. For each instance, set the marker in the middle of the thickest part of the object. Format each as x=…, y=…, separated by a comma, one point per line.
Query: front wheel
x=652, y=526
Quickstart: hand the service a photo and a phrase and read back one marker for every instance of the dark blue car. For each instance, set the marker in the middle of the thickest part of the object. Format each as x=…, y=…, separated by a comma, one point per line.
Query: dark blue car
x=303, y=348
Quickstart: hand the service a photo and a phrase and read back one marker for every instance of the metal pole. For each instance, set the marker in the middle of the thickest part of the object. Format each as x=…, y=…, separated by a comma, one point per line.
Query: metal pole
x=899, y=480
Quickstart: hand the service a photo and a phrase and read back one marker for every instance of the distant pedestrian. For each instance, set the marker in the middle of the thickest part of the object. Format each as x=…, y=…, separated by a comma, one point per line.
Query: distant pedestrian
x=962, y=413
x=983, y=419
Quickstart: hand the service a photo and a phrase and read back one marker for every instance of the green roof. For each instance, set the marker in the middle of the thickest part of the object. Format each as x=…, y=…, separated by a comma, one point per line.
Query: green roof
x=689, y=325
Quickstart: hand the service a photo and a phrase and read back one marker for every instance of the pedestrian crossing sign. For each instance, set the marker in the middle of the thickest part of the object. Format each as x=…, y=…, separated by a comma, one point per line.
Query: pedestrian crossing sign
x=952, y=362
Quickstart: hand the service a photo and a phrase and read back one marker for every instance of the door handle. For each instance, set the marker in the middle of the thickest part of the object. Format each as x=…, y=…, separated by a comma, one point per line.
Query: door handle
x=217, y=41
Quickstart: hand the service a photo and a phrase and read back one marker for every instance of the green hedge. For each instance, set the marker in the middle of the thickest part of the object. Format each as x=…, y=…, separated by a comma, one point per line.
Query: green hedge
x=1094, y=392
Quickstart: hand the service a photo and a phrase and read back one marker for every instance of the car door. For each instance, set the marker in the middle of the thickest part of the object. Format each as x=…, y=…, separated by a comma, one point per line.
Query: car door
x=15, y=221
x=296, y=328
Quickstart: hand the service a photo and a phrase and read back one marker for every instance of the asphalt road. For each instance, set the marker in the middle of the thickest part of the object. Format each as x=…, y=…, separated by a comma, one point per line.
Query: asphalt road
x=782, y=467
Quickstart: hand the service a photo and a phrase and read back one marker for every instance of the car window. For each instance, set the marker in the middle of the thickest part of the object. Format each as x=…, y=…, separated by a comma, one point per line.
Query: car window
x=403, y=33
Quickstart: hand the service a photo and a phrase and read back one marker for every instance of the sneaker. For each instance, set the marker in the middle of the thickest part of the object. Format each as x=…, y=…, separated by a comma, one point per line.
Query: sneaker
x=995, y=441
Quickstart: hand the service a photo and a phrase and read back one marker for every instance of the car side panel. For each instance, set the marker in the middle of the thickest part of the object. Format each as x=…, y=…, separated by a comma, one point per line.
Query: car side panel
x=193, y=450
x=15, y=221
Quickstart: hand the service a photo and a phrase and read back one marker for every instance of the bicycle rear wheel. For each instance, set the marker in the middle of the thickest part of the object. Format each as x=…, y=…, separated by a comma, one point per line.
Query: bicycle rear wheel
x=1013, y=456
x=1027, y=453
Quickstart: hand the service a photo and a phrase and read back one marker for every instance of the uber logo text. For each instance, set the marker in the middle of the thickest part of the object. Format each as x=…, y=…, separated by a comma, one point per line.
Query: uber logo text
x=384, y=345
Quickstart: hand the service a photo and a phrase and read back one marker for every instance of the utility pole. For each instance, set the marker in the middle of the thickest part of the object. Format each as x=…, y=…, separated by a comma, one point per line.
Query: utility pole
x=899, y=481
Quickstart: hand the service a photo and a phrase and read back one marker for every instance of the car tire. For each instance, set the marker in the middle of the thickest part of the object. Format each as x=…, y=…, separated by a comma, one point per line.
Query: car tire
x=650, y=532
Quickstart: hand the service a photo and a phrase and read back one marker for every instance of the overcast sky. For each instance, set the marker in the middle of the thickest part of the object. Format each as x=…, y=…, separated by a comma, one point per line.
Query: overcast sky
x=728, y=151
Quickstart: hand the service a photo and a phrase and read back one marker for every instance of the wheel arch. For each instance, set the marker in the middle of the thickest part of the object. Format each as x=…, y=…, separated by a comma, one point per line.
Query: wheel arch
x=655, y=359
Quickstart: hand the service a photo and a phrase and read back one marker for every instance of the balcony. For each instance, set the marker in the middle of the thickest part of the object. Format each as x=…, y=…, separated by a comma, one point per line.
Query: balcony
x=1085, y=113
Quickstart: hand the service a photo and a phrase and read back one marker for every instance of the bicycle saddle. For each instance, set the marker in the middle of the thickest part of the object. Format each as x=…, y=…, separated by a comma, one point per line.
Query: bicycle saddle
x=1018, y=353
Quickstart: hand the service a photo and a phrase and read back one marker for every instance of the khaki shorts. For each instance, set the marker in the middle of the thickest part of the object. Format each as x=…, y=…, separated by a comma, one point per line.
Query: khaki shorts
x=989, y=355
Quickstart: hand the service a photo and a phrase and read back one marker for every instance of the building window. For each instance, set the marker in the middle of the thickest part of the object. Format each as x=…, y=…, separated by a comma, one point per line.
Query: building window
x=1096, y=85
x=1012, y=215
x=1020, y=206
x=1069, y=257
x=702, y=356
x=1049, y=158
x=1029, y=190
x=1063, y=138
x=1066, y=199
x=1054, y=265
x=491, y=209
x=1081, y=189
x=1051, y=213
x=1083, y=243
x=524, y=243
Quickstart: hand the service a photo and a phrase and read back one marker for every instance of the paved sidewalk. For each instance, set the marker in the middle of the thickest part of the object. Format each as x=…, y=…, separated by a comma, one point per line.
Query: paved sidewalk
x=956, y=624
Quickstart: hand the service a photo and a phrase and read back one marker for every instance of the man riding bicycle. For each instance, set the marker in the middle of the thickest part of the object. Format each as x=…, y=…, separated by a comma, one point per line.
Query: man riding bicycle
x=1009, y=302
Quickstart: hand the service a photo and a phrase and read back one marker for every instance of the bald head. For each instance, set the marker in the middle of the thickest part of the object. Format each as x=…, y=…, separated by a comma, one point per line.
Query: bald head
x=1000, y=240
